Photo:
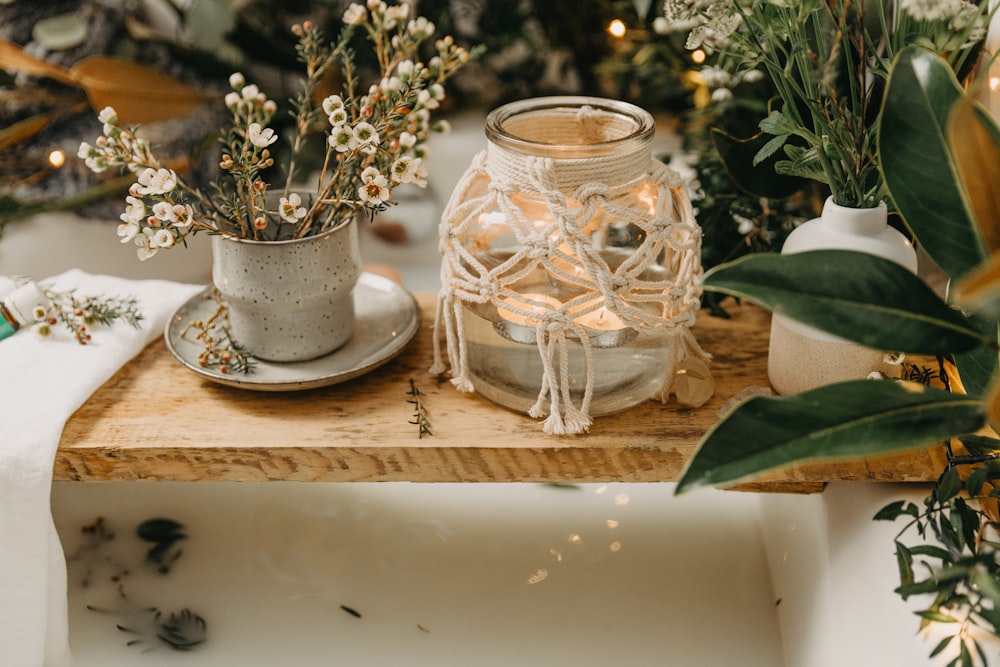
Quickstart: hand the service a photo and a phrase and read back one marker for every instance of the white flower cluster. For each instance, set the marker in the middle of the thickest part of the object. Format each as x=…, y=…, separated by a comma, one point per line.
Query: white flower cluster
x=375, y=142
x=721, y=81
x=933, y=10
x=385, y=17
x=709, y=23
x=150, y=227
x=246, y=98
x=965, y=22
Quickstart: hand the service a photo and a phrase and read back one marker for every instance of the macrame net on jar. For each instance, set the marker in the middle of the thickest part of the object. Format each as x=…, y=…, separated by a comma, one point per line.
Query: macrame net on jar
x=570, y=260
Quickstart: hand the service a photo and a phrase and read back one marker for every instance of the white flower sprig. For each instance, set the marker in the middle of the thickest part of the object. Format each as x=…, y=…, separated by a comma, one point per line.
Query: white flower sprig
x=826, y=59
x=79, y=313
x=375, y=141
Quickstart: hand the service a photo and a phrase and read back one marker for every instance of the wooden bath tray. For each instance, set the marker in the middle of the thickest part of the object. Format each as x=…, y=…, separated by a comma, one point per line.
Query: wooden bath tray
x=156, y=420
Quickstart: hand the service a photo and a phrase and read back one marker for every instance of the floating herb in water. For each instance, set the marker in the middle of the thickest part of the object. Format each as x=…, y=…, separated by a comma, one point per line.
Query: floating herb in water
x=94, y=557
x=181, y=630
x=163, y=533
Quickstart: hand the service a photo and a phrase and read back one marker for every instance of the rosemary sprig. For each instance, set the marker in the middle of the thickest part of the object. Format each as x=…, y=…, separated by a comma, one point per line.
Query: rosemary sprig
x=182, y=630
x=419, y=411
x=921, y=374
x=220, y=349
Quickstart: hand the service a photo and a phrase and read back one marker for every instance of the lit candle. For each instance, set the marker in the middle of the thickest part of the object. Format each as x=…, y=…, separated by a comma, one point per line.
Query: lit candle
x=601, y=319
x=535, y=304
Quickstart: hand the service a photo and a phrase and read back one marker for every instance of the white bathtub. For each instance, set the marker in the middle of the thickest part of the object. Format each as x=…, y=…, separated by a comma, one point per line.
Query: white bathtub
x=440, y=574
x=497, y=575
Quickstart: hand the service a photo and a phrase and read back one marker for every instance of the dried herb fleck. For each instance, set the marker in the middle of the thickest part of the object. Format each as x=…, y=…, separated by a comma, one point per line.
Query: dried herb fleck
x=353, y=612
x=94, y=558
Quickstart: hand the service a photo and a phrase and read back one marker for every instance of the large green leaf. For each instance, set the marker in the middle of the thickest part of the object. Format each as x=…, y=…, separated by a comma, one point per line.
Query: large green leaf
x=917, y=165
x=978, y=367
x=850, y=419
x=856, y=296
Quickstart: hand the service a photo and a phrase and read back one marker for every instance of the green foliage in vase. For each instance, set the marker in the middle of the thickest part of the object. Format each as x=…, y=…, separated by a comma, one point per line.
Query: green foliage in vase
x=872, y=301
x=865, y=298
x=828, y=62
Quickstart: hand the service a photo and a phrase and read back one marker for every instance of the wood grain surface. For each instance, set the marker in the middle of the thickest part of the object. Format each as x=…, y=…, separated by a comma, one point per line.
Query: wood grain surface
x=156, y=420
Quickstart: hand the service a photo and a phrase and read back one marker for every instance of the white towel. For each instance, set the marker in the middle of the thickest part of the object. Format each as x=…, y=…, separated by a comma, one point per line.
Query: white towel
x=42, y=383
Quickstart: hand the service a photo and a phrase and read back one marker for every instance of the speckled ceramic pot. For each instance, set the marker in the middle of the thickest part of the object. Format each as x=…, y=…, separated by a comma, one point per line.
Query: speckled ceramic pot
x=289, y=300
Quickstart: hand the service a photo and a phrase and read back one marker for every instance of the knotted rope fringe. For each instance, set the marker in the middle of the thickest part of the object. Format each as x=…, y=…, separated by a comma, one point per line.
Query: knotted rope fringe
x=560, y=247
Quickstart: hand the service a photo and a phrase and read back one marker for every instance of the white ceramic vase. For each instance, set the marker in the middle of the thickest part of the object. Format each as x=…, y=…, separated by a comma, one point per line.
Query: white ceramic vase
x=802, y=357
x=289, y=300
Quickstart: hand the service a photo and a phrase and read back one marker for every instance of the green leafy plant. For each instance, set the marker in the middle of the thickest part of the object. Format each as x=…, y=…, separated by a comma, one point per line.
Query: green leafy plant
x=956, y=560
x=827, y=61
x=940, y=158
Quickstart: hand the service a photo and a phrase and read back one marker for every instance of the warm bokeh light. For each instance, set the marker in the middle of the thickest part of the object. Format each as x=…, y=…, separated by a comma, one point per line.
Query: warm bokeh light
x=698, y=56
x=995, y=83
x=617, y=28
x=57, y=158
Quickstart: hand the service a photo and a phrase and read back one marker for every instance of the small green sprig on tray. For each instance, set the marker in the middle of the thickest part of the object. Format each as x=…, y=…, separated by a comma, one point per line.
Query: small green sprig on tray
x=419, y=411
x=79, y=313
x=220, y=351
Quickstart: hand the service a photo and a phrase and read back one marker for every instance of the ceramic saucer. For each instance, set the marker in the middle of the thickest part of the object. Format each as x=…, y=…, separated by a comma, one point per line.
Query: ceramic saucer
x=386, y=319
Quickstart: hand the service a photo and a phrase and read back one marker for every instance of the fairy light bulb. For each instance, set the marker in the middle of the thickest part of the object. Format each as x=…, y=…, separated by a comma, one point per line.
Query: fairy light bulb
x=698, y=56
x=617, y=28
x=57, y=158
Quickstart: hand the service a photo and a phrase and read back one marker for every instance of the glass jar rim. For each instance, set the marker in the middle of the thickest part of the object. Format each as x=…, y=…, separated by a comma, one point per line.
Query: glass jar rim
x=640, y=136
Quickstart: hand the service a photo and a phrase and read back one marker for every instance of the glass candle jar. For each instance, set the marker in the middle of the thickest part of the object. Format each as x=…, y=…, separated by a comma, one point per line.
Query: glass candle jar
x=570, y=258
